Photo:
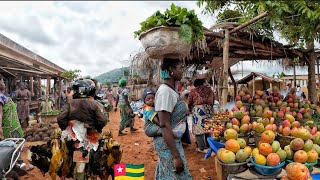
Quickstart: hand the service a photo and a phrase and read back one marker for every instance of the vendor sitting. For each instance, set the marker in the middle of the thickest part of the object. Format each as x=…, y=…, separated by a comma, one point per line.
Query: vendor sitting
x=149, y=113
x=46, y=107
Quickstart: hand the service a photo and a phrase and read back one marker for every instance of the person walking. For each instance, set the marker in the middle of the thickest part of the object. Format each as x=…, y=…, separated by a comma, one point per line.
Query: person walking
x=172, y=112
x=126, y=111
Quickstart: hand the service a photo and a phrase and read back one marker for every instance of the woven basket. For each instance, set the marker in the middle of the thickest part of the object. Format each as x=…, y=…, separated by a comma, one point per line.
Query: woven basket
x=257, y=138
x=284, y=140
x=247, y=106
x=278, y=121
x=244, y=136
x=253, y=119
x=302, y=121
x=273, y=108
x=164, y=42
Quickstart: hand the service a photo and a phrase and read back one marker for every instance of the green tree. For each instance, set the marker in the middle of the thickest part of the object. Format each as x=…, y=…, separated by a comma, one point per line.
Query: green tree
x=297, y=21
x=71, y=75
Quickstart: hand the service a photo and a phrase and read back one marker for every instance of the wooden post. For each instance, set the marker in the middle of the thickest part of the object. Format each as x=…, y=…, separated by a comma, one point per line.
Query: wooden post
x=318, y=70
x=55, y=93
x=234, y=84
x=294, y=76
x=31, y=86
x=225, y=67
x=60, y=92
x=270, y=83
x=47, y=92
x=253, y=88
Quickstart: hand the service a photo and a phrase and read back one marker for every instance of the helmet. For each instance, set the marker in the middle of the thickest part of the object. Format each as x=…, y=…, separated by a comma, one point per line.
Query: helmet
x=82, y=89
x=93, y=87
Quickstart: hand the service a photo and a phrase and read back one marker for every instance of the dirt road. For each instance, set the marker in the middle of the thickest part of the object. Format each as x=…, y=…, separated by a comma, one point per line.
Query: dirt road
x=138, y=149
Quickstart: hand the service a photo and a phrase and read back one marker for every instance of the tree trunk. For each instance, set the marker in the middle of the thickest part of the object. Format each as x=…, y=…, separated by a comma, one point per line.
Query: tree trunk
x=220, y=84
x=312, y=74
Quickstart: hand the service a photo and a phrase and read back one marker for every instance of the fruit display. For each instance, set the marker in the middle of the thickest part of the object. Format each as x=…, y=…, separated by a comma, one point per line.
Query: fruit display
x=268, y=153
x=40, y=131
x=302, y=151
x=235, y=150
x=263, y=124
x=244, y=96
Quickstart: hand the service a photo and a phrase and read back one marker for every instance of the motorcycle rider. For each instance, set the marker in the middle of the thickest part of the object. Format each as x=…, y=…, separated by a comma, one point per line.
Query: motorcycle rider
x=83, y=108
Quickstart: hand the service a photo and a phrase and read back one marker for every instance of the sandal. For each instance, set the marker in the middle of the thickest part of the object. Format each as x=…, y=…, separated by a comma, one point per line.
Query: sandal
x=133, y=129
x=121, y=134
x=202, y=151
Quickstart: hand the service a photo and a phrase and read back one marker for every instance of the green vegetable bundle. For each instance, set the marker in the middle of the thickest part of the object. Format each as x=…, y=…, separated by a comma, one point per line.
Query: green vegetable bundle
x=190, y=26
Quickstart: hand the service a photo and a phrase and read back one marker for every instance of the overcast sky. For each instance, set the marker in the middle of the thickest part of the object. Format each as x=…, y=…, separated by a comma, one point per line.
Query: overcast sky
x=94, y=37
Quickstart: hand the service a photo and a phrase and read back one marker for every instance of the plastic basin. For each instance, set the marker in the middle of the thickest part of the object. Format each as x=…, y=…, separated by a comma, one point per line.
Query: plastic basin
x=214, y=146
x=267, y=170
x=309, y=165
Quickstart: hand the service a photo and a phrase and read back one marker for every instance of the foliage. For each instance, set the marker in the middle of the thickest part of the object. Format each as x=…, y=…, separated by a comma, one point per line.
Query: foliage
x=111, y=76
x=297, y=21
x=51, y=113
x=190, y=26
x=126, y=73
x=71, y=75
x=229, y=16
x=279, y=75
x=87, y=77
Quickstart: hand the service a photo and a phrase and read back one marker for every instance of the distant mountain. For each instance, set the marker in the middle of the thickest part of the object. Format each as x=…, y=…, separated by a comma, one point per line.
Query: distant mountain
x=111, y=76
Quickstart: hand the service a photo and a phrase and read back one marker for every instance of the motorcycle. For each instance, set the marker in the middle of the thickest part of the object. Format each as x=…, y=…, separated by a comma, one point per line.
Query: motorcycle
x=10, y=151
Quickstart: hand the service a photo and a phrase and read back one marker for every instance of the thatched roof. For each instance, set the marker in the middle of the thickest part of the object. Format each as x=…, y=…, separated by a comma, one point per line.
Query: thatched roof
x=249, y=78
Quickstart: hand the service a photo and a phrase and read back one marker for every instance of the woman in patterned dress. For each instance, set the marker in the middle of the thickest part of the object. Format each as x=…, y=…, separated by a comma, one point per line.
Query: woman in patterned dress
x=9, y=122
x=172, y=112
x=125, y=108
x=200, y=100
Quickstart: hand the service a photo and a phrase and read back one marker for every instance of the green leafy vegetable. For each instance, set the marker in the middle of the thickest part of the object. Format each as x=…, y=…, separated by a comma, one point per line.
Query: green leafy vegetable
x=190, y=26
x=50, y=113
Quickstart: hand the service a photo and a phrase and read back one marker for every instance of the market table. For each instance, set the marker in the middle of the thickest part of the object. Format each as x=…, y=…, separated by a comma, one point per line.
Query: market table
x=253, y=175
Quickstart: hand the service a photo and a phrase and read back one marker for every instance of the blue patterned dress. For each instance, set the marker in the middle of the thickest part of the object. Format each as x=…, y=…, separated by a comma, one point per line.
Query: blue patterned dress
x=165, y=166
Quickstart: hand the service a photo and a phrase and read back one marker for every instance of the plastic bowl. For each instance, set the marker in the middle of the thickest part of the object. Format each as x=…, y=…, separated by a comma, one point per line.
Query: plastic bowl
x=309, y=165
x=267, y=170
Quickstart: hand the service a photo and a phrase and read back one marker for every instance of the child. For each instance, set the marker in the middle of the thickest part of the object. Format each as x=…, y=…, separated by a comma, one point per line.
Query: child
x=149, y=113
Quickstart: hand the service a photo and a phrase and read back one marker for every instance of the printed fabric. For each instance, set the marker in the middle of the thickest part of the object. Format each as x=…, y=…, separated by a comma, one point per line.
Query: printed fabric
x=10, y=122
x=165, y=165
x=200, y=114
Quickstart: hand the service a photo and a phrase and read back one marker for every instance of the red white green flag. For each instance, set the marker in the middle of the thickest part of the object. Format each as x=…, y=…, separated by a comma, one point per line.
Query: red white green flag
x=129, y=172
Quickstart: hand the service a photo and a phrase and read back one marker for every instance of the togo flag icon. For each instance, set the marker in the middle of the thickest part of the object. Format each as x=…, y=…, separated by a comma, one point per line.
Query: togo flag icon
x=129, y=172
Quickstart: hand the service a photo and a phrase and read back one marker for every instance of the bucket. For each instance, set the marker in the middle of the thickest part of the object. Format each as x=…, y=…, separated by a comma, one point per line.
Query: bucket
x=223, y=170
x=267, y=170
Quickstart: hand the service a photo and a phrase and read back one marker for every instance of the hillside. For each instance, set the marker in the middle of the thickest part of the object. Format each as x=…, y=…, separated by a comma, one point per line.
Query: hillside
x=111, y=76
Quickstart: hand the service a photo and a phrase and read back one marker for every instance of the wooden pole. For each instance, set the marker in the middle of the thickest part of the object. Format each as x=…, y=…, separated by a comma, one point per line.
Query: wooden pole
x=47, y=93
x=225, y=68
x=318, y=70
x=31, y=86
x=55, y=93
x=253, y=20
x=253, y=88
x=60, y=92
x=294, y=76
x=234, y=83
